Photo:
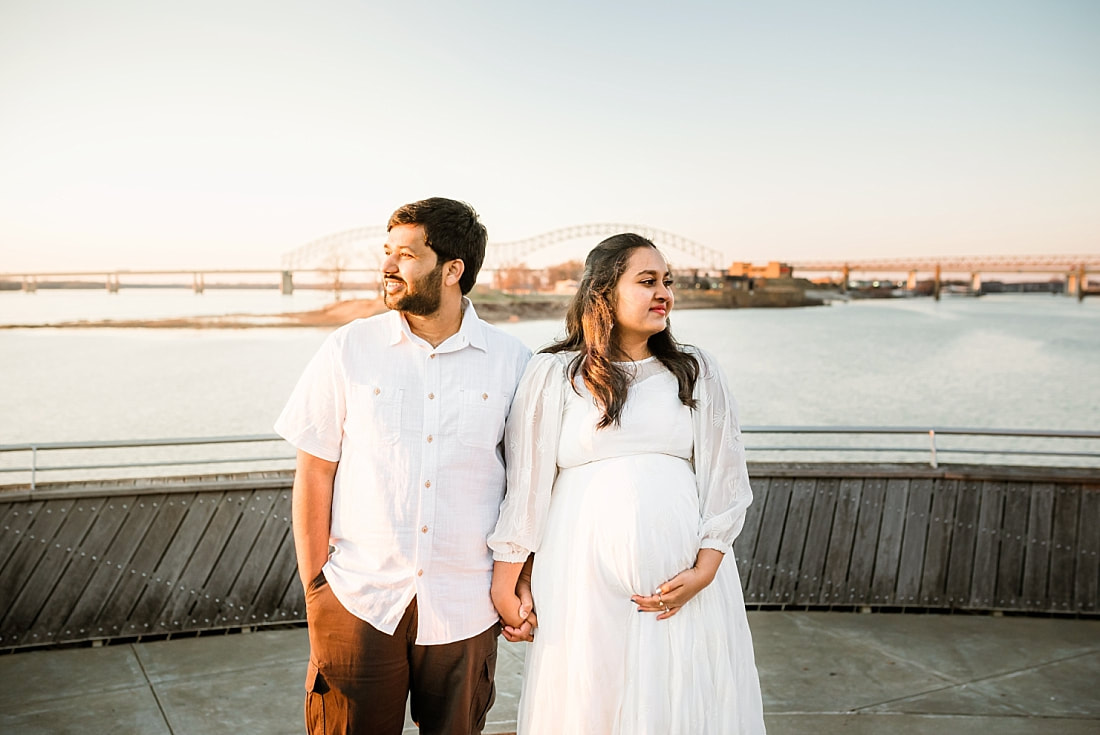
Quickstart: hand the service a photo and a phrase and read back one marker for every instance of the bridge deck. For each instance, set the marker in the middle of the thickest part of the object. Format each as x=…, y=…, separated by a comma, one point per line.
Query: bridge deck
x=135, y=558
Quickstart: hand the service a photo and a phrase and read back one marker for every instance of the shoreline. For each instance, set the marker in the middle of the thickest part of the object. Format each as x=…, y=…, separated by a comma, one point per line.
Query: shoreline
x=336, y=314
x=493, y=307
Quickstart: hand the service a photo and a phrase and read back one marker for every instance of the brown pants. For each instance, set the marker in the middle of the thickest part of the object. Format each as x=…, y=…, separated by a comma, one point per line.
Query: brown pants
x=359, y=678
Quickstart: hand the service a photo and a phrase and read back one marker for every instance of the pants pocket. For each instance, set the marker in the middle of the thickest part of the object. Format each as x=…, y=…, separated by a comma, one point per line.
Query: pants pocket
x=316, y=582
x=319, y=717
x=486, y=692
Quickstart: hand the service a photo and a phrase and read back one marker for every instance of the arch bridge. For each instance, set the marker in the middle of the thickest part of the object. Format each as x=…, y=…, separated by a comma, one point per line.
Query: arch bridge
x=344, y=245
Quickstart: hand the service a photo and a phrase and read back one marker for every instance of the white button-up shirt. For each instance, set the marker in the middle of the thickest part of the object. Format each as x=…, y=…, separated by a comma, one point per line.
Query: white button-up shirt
x=417, y=433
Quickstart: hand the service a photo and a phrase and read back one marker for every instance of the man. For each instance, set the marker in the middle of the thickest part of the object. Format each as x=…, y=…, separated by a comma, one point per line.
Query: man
x=398, y=421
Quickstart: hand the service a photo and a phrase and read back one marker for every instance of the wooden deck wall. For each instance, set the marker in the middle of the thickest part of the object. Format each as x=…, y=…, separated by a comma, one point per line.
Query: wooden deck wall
x=164, y=557
x=147, y=560
x=886, y=538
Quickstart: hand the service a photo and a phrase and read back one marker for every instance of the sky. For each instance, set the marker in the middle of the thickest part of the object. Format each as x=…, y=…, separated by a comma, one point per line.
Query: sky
x=224, y=134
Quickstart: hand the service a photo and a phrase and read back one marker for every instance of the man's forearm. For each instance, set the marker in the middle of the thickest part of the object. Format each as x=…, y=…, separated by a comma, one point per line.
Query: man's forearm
x=311, y=514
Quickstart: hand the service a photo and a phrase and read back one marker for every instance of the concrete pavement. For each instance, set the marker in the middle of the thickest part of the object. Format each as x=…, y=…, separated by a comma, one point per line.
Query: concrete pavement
x=821, y=673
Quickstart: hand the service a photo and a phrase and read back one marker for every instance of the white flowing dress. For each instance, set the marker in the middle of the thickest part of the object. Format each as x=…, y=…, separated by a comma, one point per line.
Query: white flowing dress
x=612, y=513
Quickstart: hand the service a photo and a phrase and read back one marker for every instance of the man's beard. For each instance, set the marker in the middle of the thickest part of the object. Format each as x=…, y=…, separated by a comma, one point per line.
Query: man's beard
x=422, y=297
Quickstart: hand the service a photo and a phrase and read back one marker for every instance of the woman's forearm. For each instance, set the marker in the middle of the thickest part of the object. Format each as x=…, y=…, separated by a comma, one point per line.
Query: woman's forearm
x=707, y=563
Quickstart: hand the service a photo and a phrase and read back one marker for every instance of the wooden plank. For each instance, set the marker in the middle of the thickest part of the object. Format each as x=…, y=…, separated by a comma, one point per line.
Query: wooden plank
x=293, y=604
x=1040, y=527
x=937, y=550
x=868, y=524
x=16, y=522
x=266, y=606
x=72, y=621
x=114, y=564
x=110, y=567
x=794, y=540
x=1087, y=582
x=32, y=608
x=159, y=520
x=20, y=569
x=284, y=585
x=811, y=568
x=888, y=553
x=964, y=539
x=918, y=513
x=1063, y=552
x=216, y=604
x=147, y=613
x=189, y=586
x=744, y=546
x=17, y=517
x=1010, y=561
x=767, y=546
x=984, y=579
x=255, y=567
x=834, y=588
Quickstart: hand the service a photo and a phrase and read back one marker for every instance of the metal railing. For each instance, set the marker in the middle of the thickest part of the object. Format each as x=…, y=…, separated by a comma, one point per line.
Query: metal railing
x=34, y=449
x=932, y=447
x=846, y=440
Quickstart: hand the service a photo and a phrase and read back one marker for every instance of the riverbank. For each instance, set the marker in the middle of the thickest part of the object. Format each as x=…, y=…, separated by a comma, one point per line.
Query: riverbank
x=333, y=315
x=492, y=306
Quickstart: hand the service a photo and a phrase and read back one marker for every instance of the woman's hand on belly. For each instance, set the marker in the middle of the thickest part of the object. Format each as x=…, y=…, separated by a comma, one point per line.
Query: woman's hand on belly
x=672, y=595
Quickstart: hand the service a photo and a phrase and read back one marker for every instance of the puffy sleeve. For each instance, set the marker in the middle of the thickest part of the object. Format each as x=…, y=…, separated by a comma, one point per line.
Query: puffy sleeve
x=720, y=470
x=531, y=450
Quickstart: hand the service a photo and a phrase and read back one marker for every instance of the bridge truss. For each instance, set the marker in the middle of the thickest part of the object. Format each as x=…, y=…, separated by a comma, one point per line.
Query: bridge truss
x=503, y=253
x=340, y=245
x=957, y=264
x=317, y=253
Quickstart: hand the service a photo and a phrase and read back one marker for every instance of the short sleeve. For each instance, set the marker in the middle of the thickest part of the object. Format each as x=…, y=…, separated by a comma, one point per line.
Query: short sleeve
x=531, y=449
x=313, y=418
x=720, y=469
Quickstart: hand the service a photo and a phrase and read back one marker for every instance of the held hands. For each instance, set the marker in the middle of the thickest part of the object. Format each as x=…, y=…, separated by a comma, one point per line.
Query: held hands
x=516, y=608
x=672, y=595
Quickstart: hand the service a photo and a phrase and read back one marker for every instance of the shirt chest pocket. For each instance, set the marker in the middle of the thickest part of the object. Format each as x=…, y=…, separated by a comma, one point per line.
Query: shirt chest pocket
x=481, y=421
x=374, y=413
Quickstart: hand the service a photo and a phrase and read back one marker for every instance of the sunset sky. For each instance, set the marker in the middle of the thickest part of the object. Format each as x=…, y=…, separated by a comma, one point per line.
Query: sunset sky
x=138, y=134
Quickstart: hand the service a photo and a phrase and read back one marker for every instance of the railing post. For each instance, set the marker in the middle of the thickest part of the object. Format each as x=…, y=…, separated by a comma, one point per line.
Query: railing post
x=34, y=464
x=932, y=441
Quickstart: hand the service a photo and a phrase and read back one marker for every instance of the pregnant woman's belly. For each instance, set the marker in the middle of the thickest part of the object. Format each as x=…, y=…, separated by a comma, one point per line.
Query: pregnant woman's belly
x=632, y=522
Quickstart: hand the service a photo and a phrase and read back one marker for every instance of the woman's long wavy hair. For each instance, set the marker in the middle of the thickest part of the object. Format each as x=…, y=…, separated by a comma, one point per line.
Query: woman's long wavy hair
x=590, y=331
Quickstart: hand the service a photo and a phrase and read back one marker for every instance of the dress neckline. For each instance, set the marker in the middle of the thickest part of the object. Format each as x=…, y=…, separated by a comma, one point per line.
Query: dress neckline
x=643, y=361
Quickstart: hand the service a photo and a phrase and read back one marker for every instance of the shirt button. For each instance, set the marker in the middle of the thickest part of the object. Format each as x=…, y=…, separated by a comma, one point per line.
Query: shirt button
x=431, y=396
x=424, y=529
x=420, y=573
x=484, y=396
x=377, y=391
x=428, y=483
x=429, y=438
x=431, y=356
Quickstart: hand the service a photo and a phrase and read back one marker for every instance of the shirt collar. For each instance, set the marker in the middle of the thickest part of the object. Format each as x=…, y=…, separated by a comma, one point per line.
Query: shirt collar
x=471, y=332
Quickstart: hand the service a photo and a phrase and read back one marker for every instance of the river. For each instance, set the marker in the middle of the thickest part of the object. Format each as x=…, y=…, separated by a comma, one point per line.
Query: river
x=1016, y=361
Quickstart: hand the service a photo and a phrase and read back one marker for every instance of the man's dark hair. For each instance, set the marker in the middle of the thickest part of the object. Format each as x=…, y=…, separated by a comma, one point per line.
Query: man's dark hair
x=453, y=231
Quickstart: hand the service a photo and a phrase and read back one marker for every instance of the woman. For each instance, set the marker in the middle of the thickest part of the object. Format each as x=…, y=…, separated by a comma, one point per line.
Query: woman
x=626, y=473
